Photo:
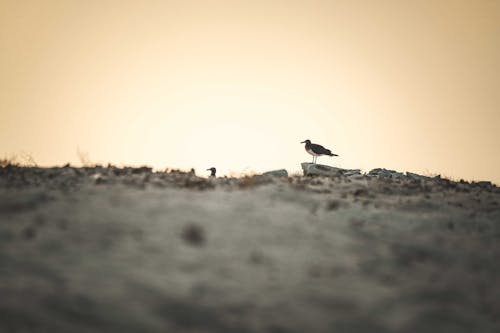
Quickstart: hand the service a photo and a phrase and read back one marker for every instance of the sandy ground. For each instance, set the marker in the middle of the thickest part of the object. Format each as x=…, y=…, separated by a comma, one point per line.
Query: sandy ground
x=129, y=250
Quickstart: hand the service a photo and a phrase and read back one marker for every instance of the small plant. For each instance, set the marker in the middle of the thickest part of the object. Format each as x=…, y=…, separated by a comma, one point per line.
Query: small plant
x=24, y=159
x=9, y=161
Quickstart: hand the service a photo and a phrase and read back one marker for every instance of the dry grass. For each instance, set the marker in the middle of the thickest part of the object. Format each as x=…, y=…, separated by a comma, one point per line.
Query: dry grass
x=8, y=161
x=23, y=159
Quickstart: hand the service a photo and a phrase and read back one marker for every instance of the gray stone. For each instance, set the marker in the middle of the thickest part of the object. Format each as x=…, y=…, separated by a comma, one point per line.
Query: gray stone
x=416, y=176
x=484, y=184
x=385, y=173
x=98, y=178
x=311, y=169
x=352, y=172
x=276, y=173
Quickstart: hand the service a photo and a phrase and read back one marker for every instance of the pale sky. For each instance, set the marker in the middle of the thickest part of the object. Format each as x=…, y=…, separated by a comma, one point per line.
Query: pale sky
x=406, y=85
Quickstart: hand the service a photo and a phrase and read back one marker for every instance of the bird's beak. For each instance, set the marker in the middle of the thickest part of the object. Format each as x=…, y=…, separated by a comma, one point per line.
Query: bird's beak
x=209, y=170
x=302, y=141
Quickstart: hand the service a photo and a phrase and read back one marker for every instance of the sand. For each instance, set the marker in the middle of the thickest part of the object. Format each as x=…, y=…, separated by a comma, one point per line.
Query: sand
x=131, y=250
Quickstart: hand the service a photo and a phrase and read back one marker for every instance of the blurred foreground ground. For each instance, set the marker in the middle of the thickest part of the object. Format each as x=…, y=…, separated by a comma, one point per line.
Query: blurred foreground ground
x=129, y=250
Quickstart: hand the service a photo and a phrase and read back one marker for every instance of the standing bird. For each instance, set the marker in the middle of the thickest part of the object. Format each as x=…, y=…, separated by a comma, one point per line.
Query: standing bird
x=212, y=171
x=317, y=150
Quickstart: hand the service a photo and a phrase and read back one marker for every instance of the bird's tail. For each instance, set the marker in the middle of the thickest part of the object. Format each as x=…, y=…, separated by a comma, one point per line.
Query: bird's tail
x=332, y=154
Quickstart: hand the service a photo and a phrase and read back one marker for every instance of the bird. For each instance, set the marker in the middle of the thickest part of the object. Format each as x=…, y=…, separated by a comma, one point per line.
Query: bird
x=212, y=171
x=317, y=150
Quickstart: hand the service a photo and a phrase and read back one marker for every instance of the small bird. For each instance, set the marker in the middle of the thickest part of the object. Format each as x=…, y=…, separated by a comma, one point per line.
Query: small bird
x=212, y=171
x=317, y=150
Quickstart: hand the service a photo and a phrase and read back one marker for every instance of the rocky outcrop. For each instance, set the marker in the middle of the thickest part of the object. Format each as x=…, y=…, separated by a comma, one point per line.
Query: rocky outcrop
x=416, y=176
x=385, y=173
x=276, y=173
x=312, y=169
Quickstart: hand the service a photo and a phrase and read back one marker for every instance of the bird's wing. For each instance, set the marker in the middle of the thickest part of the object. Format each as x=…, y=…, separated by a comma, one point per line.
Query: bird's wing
x=319, y=149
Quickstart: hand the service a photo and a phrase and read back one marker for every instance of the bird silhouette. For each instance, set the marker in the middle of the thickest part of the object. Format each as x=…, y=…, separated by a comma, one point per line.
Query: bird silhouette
x=317, y=150
x=212, y=171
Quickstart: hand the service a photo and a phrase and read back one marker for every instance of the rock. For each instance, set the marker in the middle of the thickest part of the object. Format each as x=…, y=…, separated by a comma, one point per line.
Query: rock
x=416, y=176
x=98, y=178
x=276, y=173
x=398, y=175
x=143, y=169
x=385, y=173
x=311, y=169
x=483, y=184
x=351, y=172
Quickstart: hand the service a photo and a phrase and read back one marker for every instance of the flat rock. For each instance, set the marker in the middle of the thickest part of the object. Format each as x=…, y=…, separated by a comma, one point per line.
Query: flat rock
x=276, y=173
x=385, y=173
x=483, y=184
x=416, y=176
x=351, y=172
x=311, y=169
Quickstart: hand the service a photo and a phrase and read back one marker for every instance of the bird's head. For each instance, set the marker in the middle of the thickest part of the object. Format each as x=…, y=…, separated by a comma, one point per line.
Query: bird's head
x=306, y=142
x=212, y=169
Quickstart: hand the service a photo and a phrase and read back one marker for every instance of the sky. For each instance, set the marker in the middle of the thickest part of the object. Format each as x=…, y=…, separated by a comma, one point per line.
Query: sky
x=406, y=85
